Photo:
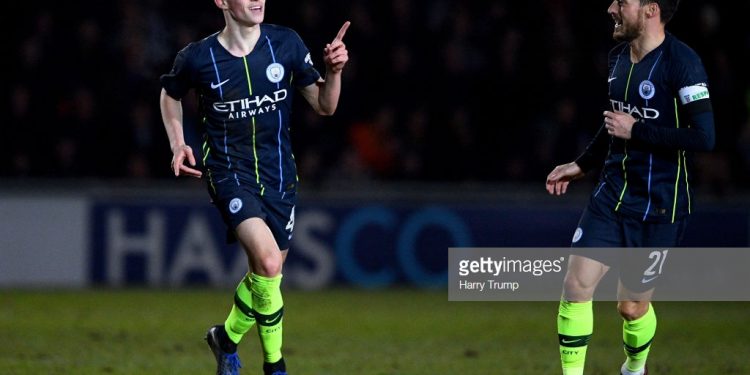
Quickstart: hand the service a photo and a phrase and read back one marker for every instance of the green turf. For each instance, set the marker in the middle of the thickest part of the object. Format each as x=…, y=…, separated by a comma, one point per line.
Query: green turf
x=348, y=332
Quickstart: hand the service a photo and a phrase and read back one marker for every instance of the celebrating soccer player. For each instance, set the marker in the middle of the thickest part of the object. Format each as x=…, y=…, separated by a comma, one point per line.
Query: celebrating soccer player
x=244, y=76
x=660, y=113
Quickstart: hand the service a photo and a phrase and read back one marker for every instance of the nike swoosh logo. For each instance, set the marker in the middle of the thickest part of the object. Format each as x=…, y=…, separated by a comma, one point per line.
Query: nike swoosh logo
x=577, y=342
x=610, y=79
x=574, y=341
x=215, y=86
x=648, y=280
x=274, y=321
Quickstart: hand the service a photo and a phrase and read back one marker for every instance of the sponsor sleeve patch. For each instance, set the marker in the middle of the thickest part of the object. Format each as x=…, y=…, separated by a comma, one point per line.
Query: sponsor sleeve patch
x=694, y=93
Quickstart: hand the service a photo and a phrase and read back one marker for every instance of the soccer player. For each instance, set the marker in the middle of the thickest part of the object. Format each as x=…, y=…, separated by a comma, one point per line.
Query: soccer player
x=244, y=76
x=660, y=113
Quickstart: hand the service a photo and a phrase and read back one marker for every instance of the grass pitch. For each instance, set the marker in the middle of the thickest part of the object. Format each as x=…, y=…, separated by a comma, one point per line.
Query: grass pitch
x=385, y=332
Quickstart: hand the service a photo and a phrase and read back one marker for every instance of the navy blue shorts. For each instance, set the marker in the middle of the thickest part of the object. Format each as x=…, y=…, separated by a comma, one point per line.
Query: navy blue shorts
x=239, y=203
x=647, y=243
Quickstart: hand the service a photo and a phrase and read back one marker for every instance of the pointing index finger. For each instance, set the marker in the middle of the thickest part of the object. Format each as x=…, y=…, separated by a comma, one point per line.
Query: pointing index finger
x=342, y=31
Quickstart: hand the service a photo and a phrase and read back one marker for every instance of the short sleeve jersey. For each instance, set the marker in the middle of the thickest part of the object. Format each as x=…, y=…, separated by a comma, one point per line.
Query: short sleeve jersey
x=245, y=105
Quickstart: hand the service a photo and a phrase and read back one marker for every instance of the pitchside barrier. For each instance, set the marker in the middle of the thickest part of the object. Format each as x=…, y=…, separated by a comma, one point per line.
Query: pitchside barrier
x=371, y=238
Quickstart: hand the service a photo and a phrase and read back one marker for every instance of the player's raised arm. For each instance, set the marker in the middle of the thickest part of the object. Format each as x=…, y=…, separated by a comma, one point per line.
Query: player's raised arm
x=335, y=54
x=323, y=96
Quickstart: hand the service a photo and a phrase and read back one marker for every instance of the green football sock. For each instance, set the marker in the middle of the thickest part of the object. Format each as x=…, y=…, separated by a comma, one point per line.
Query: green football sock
x=575, y=325
x=242, y=317
x=269, y=312
x=637, y=336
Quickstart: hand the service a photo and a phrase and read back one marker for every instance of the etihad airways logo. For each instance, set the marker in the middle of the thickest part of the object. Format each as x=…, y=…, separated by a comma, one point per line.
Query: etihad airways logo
x=248, y=107
x=635, y=111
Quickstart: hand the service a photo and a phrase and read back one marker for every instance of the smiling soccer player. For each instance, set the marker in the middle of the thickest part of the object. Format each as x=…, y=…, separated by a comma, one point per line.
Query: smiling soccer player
x=245, y=75
x=660, y=114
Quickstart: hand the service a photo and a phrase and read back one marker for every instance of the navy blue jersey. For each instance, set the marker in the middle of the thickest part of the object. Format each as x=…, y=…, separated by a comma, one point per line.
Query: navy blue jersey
x=245, y=104
x=650, y=175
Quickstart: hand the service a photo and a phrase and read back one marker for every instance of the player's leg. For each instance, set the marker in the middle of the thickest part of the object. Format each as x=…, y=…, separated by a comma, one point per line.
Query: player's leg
x=575, y=318
x=280, y=225
x=651, y=243
x=635, y=290
x=241, y=318
x=638, y=329
x=239, y=321
x=597, y=228
x=236, y=206
x=256, y=298
x=264, y=288
x=271, y=339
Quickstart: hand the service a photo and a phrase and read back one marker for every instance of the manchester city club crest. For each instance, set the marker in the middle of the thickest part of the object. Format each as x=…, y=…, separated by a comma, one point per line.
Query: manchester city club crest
x=647, y=90
x=235, y=205
x=275, y=72
x=577, y=235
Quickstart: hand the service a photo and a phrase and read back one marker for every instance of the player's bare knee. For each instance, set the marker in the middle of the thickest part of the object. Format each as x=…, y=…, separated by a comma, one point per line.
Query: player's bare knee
x=632, y=310
x=576, y=289
x=269, y=264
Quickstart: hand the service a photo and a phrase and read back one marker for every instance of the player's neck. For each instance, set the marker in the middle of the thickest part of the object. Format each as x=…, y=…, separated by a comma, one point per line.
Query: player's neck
x=647, y=42
x=239, y=40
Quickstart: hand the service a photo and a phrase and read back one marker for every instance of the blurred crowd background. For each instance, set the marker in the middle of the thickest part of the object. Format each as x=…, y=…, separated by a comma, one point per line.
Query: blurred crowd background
x=486, y=91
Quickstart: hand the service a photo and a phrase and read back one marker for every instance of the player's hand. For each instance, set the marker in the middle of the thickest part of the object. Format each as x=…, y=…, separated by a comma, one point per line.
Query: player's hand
x=335, y=54
x=619, y=124
x=180, y=154
x=560, y=177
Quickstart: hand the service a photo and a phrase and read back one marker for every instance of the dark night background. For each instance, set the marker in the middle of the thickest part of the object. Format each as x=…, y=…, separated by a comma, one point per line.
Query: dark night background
x=435, y=91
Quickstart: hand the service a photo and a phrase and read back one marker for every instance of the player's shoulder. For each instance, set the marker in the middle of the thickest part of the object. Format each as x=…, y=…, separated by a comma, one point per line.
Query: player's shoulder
x=680, y=52
x=278, y=31
x=683, y=64
x=204, y=43
x=197, y=47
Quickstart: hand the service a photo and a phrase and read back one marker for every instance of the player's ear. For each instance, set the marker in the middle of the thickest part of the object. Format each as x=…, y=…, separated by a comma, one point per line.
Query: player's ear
x=652, y=9
x=222, y=4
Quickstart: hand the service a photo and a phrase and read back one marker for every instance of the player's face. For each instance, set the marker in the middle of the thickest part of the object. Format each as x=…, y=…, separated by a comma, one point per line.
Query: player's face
x=629, y=17
x=246, y=12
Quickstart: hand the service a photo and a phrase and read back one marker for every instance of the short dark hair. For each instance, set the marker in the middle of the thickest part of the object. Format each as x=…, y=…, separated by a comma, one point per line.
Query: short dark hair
x=668, y=8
